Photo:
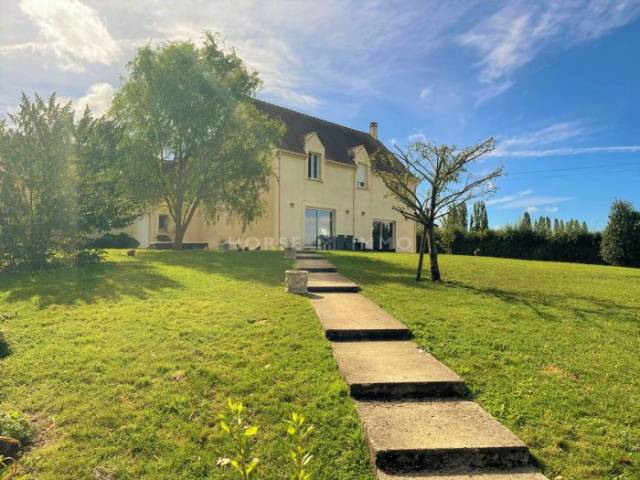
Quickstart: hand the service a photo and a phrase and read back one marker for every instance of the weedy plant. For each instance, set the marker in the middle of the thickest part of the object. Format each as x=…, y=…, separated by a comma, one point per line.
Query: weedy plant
x=233, y=423
x=300, y=452
x=243, y=436
x=8, y=463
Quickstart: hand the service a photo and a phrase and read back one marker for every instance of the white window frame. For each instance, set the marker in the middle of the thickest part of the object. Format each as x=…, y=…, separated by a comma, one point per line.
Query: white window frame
x=365, y=184
x=310, y=167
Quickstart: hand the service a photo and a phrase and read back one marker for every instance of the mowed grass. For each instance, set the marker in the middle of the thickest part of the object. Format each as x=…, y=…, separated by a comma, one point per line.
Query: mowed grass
x=551, y=349
x=122, y=367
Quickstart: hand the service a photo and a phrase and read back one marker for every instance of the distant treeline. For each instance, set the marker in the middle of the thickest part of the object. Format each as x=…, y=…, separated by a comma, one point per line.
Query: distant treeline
x=544, y=238
x=510, y=242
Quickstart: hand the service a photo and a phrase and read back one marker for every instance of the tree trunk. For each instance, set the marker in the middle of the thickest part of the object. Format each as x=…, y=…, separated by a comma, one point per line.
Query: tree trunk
x=433, y=255
x=179, y=237
x=421, y=255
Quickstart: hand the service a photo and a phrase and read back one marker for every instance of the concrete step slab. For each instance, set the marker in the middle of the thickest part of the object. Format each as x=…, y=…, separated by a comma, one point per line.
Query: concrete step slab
x=438, y=435
x=308, y=256
x=351, y=316
x=516, y=474
x=315, y=265
x=394, y=370
x=330, y=282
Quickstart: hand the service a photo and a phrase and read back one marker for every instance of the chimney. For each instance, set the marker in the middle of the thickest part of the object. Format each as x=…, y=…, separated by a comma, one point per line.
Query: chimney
x=373, y=130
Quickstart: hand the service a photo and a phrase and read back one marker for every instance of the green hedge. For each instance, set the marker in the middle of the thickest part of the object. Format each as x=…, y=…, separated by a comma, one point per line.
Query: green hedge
x=117, y=240
x=525, y=244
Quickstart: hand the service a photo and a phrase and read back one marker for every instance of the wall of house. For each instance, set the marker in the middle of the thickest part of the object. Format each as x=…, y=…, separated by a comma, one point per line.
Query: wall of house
x=291, y=192
x=354, y=208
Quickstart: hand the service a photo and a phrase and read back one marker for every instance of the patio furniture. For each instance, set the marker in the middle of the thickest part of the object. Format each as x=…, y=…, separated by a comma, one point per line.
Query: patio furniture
x=348, y=242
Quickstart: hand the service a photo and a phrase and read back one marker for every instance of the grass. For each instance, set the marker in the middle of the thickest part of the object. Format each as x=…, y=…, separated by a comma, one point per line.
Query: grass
x=122, y=367
x=551, y=349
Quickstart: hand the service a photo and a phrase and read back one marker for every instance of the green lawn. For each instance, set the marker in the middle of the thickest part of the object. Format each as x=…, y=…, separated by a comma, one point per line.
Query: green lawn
x=551, y=349
x=123, y=366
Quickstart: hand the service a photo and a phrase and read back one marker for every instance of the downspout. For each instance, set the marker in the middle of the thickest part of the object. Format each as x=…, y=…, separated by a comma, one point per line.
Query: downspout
x=353, y=206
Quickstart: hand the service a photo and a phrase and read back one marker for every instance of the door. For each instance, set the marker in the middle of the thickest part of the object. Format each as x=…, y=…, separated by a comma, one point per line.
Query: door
x=382, y=236
x=318, y=223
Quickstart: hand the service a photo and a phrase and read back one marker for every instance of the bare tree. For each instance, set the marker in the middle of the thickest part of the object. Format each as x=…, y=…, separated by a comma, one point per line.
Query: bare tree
x=428, y=179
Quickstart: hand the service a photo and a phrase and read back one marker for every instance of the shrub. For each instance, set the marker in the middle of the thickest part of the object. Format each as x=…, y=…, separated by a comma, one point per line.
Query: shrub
x=119, y=240
x=621, y=238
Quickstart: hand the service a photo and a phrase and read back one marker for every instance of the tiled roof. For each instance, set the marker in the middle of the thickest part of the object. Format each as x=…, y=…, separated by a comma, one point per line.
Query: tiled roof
x=338, y=140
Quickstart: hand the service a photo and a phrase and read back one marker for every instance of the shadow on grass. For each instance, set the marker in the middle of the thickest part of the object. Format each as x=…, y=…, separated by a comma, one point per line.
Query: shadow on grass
x=5, y=351
x=266, y=267
x=376, y=271
x=86, y=284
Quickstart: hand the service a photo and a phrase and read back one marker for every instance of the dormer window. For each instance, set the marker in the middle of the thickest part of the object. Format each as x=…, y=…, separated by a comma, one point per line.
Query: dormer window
x=313, y=166
x=361, y=176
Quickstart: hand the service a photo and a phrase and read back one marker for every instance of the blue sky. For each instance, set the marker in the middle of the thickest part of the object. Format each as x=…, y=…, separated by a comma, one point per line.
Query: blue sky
x=556, y=83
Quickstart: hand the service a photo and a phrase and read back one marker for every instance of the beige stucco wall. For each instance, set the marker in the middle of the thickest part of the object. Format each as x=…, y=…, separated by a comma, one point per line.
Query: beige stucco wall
x=291, y=192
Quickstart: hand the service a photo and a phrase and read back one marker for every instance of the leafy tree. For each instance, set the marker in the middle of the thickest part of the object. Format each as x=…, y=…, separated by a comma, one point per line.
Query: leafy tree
x=102, y=195
x=38, y=199
x=427, y=180
x=525, y=223
x=456, y=217
x=462, y=216
x=194, y=140
x=479, y=218
x=542, y=225
x=621, y=239
x=58, y=183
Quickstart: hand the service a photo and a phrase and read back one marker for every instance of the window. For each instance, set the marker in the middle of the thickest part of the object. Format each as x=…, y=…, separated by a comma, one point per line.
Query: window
x=163, y=223
x=313, y=166
x=318, y=227
x=361, y=176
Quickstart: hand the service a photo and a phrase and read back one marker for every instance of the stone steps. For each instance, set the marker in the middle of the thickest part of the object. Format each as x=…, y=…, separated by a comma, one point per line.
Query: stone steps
x=349, y=317
x=417, y=425
x=315, y=265
x=438, y=435
x=309, y=256
x=330, y=282
x=514, y=474
x=394, y=370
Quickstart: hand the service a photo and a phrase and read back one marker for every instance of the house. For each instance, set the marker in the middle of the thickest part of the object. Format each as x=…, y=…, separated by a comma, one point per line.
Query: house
x=324, y=187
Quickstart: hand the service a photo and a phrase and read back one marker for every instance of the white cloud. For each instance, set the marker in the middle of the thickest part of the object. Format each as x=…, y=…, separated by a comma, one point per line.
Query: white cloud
x=425, y=93
x=418, y=136
x=520, y=31
x=537, y=143
x=98, y=99
x=565, y=151
x=554, y=133
x=509, y=198
x=526, y=199
x=551, y=209
x=491, y=91
x=72, y=31
x=535, y=201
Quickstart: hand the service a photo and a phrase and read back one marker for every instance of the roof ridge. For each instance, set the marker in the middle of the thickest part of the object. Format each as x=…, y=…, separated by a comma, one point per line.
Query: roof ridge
x=315, y=118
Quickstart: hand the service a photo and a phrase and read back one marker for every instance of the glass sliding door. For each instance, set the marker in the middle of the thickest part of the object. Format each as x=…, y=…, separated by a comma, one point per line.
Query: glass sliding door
x=318, y=224
x=382, y=236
